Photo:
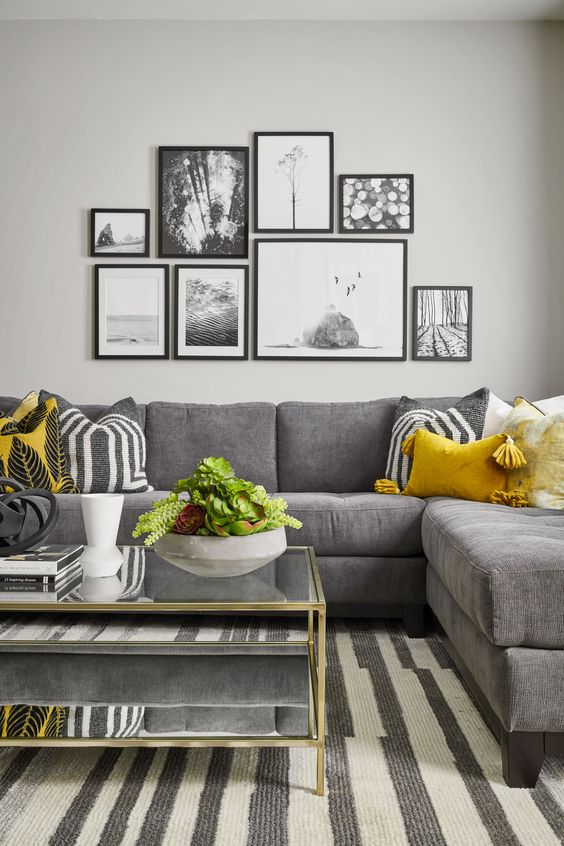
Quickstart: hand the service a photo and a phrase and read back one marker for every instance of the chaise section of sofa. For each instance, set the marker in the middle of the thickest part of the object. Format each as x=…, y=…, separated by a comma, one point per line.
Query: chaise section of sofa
x=495, y=582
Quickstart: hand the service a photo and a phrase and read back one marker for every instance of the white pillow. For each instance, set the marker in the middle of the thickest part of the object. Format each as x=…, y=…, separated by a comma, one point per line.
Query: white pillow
x=496, y=414
x=553, y=405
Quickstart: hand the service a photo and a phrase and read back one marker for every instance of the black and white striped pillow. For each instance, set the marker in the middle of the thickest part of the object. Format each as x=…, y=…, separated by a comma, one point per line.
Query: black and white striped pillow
x=107, y=456
x=103, y=721
x=462, y=423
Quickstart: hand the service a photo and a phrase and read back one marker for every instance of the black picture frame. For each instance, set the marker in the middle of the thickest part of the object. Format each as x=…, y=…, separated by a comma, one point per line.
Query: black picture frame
x=398, y=242
x=372, y=226
x=330, y=176
x=100, y=253
x=164, y=238
x=446, y=333
x=100, y=269
x=242, y=325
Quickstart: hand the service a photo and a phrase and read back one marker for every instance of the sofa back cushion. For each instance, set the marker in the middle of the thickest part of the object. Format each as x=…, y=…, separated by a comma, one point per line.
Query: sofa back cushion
x=179, y=435
x=93, y=412
x=336, y=447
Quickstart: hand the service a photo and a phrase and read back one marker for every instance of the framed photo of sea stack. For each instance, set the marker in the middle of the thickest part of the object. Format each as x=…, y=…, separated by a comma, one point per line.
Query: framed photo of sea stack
x=210, y=311
x=376, y=204
x=331, y=299
x=442, y=323
x=131, y=310
x=204, y=202
x=119, y=233
x=293, y=181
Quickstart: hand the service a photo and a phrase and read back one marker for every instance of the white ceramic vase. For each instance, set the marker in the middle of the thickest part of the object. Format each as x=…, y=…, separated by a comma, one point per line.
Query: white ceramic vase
x=101, y=514
x=205, y=555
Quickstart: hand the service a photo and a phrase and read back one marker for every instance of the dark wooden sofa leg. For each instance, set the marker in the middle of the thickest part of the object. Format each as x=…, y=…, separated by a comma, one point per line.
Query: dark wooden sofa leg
x=414, y=620
x=522, y=755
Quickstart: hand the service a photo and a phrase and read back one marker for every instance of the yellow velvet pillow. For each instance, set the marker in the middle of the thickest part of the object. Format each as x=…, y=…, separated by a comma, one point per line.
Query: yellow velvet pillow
x=541, y=437
x=442, y=467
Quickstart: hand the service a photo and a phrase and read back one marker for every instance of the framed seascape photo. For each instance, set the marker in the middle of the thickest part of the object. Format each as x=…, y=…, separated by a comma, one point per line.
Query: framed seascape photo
x=210, y=311
x=376, y=203
x=293, y=181
x=331, y=299
x=120, y=233
x=442, y=323
x=204, y=202
x=131, y=311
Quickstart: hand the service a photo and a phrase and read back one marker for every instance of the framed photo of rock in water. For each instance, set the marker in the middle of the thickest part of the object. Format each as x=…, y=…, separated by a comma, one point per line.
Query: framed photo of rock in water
x=335, y=299
x=210, y=311
x=442, y=323
x=120, y=233
x=293, y=184
x=131, y=311
x=204, y=202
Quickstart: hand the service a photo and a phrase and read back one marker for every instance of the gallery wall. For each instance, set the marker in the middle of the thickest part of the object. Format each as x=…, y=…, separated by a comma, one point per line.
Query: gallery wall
x=475, y=111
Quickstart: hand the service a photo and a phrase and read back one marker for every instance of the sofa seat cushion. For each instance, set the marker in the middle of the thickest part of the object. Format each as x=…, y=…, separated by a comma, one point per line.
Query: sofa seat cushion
x=356, y=524
x=503, y=566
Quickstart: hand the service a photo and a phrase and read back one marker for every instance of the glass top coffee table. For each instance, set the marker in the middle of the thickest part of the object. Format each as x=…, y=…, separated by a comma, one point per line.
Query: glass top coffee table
x=147, y=585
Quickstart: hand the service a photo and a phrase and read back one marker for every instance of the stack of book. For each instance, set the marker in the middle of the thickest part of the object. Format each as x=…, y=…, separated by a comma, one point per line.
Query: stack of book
x=47, y=574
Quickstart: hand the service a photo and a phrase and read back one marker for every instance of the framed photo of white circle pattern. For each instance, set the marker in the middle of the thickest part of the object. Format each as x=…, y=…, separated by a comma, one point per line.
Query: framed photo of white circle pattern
x=378, y=203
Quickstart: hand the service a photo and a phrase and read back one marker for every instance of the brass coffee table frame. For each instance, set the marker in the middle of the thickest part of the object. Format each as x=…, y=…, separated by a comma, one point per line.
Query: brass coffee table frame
x=316, y=637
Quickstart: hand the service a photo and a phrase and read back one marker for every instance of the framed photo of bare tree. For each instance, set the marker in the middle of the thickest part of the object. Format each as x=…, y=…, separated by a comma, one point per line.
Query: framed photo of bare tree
x=293, y=181
x=442, y=323
x=204, y=202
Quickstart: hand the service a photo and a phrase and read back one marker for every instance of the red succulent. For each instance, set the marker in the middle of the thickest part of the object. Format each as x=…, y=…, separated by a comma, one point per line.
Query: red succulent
x=190, y=519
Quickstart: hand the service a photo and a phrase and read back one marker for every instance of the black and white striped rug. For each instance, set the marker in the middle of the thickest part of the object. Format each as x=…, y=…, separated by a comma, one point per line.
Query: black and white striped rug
x=409, y=761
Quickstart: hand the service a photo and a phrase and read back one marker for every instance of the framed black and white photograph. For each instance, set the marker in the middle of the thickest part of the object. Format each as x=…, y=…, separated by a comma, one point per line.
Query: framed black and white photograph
x=210, y=311
x=120, y=233
x=204, y=202
x=376, y=203
x=442, y=323
x=131, y=308
x=293, y=181
x=330, y=299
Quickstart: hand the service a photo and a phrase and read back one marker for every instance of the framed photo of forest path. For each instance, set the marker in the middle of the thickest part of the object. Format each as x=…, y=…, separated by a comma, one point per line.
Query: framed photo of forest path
x=442, y=323
x=293, y=181
x=204, y=202
x=210, y=311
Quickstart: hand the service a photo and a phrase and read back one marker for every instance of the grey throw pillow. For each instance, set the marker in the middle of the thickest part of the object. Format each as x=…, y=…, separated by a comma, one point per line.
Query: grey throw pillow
x=107, y=456
x=462, y=423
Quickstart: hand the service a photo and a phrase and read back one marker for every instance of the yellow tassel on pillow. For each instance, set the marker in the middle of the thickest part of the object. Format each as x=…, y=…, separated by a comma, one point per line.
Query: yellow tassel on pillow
x=386, y=486
x=508, y=455
x=408, y=446
x=514, y=498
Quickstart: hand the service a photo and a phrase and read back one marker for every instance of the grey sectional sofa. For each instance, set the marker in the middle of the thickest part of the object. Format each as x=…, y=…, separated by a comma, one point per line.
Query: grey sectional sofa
x=493, y=576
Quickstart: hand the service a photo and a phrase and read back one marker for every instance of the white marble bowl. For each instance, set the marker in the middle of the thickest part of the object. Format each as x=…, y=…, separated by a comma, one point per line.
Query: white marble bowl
x=217, y=557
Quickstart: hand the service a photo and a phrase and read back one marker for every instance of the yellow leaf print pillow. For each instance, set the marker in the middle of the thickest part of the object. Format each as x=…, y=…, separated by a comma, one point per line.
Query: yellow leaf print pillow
x=541, y=438
x=31, y=450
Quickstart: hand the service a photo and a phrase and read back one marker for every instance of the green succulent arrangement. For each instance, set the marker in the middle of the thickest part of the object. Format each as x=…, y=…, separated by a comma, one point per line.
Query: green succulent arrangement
x=220, y=504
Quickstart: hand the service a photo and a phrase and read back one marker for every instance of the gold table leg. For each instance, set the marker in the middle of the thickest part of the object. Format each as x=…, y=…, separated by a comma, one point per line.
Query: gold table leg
x=321, y=626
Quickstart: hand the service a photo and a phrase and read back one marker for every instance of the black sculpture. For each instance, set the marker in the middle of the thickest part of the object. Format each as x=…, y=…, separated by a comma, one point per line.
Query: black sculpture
x=13, y=513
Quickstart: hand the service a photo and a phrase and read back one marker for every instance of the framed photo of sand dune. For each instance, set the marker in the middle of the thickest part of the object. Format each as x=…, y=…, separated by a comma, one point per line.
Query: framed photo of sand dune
x=335, y=299
x=210, y=311
x=131, y=306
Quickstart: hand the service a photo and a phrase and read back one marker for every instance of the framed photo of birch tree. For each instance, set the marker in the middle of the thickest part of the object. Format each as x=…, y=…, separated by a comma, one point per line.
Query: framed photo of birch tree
x=293, y=187
x=442, y=323
x=204, y=202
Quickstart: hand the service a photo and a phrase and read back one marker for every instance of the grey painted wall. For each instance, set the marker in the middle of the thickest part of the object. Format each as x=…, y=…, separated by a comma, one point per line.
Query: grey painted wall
x=476, y=111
